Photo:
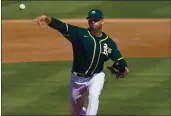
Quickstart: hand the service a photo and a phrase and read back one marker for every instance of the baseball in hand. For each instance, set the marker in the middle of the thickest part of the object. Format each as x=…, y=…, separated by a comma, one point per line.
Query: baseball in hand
x=22, y=6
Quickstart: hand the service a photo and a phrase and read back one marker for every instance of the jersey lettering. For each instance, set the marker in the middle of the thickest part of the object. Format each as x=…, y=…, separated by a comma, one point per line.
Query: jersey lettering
x=106, y=50
x=105, y=47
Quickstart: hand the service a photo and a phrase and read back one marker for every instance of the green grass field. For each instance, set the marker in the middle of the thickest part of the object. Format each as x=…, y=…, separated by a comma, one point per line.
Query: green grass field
x=79, y=9
x=43, y=88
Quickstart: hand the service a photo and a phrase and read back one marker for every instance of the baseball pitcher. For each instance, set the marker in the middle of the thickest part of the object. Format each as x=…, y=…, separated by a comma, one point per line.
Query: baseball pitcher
x=91, y=48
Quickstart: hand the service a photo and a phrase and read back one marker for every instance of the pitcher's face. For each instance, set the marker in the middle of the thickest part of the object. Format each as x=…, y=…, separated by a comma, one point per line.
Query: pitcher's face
x=95, y=23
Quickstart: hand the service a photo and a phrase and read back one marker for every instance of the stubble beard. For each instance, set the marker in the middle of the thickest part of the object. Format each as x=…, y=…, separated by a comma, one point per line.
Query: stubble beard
x=94, y=29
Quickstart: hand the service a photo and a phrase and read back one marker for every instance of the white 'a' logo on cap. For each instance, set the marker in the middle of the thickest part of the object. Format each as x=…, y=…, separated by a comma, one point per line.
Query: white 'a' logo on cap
x=93, y=12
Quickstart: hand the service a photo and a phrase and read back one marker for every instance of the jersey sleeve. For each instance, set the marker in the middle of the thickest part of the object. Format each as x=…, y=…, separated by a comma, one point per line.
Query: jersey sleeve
x=115, y=53
x=65, y=29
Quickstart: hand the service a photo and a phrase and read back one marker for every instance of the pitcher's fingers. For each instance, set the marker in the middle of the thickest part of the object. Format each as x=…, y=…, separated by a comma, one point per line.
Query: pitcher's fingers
x=36, y=21
x=41, y=23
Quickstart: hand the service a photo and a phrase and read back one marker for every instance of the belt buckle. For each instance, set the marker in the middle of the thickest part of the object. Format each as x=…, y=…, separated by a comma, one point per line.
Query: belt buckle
x=81, y=75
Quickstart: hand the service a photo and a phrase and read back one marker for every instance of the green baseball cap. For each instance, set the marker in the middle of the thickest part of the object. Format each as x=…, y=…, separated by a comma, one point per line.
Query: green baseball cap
x=95, y=13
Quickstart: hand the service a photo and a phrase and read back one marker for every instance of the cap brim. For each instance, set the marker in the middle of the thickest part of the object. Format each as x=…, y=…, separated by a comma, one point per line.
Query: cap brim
x=95, y=17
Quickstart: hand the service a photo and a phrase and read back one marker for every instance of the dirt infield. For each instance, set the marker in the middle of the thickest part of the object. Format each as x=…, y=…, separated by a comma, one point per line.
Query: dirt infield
x=23, y=41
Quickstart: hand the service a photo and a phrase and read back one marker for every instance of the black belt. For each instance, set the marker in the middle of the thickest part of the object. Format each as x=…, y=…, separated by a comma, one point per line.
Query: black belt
x=82, y=75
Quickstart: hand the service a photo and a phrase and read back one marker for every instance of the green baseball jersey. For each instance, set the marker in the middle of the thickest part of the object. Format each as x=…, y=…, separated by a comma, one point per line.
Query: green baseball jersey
x=89, y=52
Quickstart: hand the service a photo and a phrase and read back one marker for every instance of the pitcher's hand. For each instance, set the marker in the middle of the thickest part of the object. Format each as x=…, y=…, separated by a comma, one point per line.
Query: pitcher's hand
x=42, y=19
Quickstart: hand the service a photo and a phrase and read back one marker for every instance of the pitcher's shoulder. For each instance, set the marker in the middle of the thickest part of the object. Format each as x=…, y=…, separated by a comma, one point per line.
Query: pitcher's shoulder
x=83, y=31
x=110, y=40
x=80, y=28
x=106, y=35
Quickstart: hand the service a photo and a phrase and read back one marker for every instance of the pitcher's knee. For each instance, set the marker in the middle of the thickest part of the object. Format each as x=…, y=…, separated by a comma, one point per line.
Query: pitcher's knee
x=93, y=104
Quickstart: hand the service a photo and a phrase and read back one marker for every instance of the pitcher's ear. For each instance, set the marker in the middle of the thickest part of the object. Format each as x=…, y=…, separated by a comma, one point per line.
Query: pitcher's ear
x=102, y=22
